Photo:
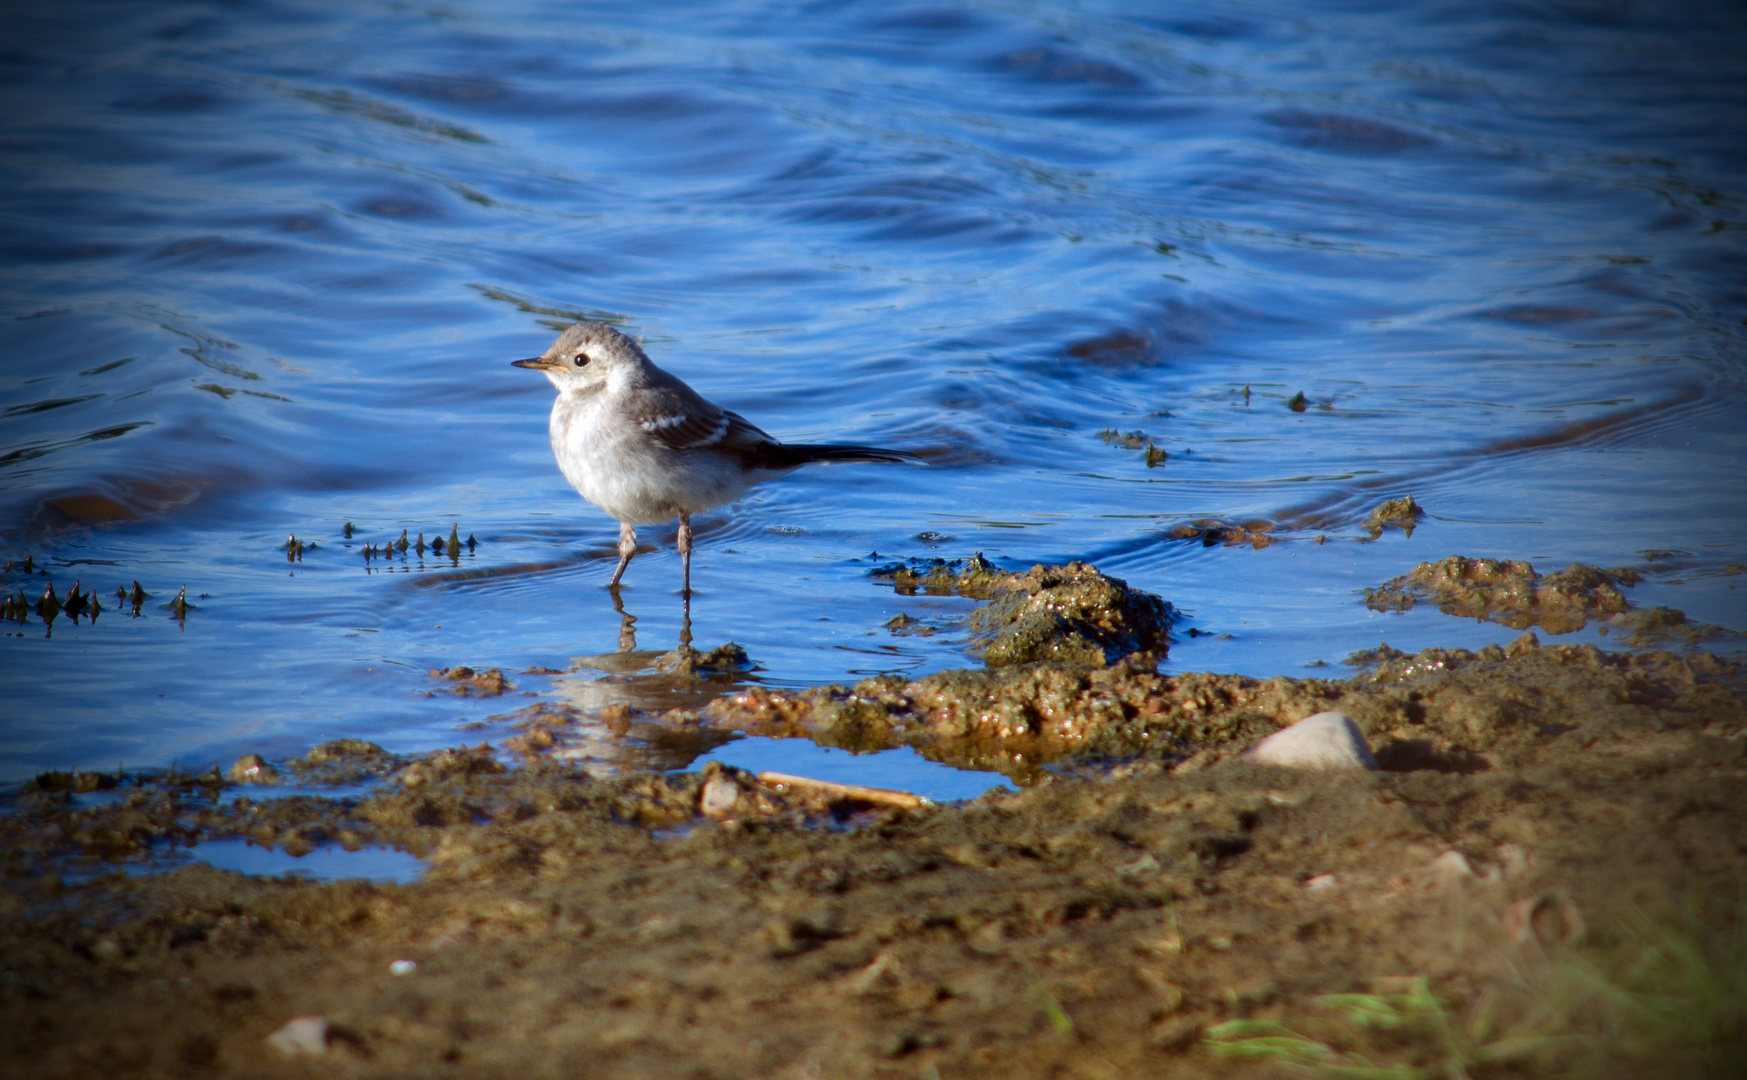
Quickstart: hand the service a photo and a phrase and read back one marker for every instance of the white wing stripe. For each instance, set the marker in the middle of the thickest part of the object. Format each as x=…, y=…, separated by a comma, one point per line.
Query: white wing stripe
x=655, y=425
x=716, y=435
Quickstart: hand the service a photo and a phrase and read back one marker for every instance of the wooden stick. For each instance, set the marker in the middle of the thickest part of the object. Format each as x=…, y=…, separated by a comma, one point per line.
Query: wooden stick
x=878, y=796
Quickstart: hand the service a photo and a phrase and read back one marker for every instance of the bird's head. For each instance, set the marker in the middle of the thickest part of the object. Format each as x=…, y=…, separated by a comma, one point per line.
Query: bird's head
x=587, y=354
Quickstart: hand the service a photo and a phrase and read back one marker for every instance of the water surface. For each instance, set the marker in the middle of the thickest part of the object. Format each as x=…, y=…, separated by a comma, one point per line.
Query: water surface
x=266, y=264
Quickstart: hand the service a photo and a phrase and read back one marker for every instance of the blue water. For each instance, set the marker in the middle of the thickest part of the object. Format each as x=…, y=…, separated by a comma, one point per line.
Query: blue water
x=903, y=768
x=326, y=863
x=265, y=266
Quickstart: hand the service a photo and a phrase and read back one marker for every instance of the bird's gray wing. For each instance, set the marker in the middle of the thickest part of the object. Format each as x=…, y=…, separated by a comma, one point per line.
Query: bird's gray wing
x=676, y=417
x=743, y=434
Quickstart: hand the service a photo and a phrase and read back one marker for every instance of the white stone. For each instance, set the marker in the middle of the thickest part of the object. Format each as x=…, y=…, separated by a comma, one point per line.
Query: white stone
x=1320, y=883
x=403, y=967
x=1328, y=740
x=303, y=1036
x=1450, y=865
x=721, y=795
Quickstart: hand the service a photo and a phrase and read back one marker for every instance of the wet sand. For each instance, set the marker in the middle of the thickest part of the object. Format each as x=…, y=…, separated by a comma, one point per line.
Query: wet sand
x=1547, y=821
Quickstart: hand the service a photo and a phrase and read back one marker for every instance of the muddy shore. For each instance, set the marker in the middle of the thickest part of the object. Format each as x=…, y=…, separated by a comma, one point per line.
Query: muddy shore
x=1509, y=894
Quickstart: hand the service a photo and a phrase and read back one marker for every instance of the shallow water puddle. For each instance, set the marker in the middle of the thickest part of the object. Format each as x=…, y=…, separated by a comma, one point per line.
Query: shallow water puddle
x=380, y=865
x=258, y=793
x=902, y=769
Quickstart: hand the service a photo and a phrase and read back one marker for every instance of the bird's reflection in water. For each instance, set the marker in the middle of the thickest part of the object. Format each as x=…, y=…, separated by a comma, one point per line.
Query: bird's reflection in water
x=628, y=623
x=632, y=696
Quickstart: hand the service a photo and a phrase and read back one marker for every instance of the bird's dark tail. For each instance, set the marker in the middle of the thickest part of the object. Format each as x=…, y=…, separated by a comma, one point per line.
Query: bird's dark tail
x=787, y=455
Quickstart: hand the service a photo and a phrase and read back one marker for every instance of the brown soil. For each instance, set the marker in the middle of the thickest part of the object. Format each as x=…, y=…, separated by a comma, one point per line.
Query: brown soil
x=1402, y=513
x=1256, y=534
x=470, y=683
x=1071, y=614
x=1148, y=886
x=1513, y=594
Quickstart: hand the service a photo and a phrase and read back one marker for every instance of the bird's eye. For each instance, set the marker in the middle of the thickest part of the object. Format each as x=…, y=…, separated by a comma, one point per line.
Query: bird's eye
x=581, y=359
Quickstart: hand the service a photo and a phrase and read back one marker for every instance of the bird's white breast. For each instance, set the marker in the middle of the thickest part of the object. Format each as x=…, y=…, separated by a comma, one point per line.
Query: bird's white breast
x=609, y=459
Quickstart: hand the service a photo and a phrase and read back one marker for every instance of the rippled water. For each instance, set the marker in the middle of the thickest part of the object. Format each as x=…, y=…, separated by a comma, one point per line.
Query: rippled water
x=265, y=265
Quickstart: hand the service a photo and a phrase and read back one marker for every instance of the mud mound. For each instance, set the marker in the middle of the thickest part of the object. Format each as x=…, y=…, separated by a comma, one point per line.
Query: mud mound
x=1402, y=513
x=1212, y=533
x=1444, y=703
x=471, y=683
x=722, y=661
x=1069, y=614
x=1663, y=626
x=975, y=578
x=1510, y=593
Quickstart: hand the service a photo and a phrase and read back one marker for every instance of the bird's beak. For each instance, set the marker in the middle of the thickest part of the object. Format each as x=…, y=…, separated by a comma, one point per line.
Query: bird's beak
x=538, y=363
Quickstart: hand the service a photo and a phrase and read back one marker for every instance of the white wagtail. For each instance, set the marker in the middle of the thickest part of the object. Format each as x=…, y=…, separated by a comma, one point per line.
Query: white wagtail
x=645, y=447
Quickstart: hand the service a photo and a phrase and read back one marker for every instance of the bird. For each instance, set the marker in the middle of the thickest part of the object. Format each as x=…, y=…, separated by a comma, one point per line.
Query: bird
x=636, y=441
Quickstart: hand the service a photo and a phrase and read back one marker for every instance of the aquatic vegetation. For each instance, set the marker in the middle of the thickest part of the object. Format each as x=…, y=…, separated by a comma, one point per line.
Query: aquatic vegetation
x=438, y=546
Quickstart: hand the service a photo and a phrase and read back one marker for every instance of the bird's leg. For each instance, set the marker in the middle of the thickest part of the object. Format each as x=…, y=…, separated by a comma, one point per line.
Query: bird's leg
x=627, y=548
x=685, y=553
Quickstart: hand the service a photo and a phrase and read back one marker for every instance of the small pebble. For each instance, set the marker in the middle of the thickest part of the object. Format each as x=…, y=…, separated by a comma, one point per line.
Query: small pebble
x=1328, y=740
x=720, y=797
x=1450, y=865
x=402, y=967
x=304, y=1036
x=1320, y=883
